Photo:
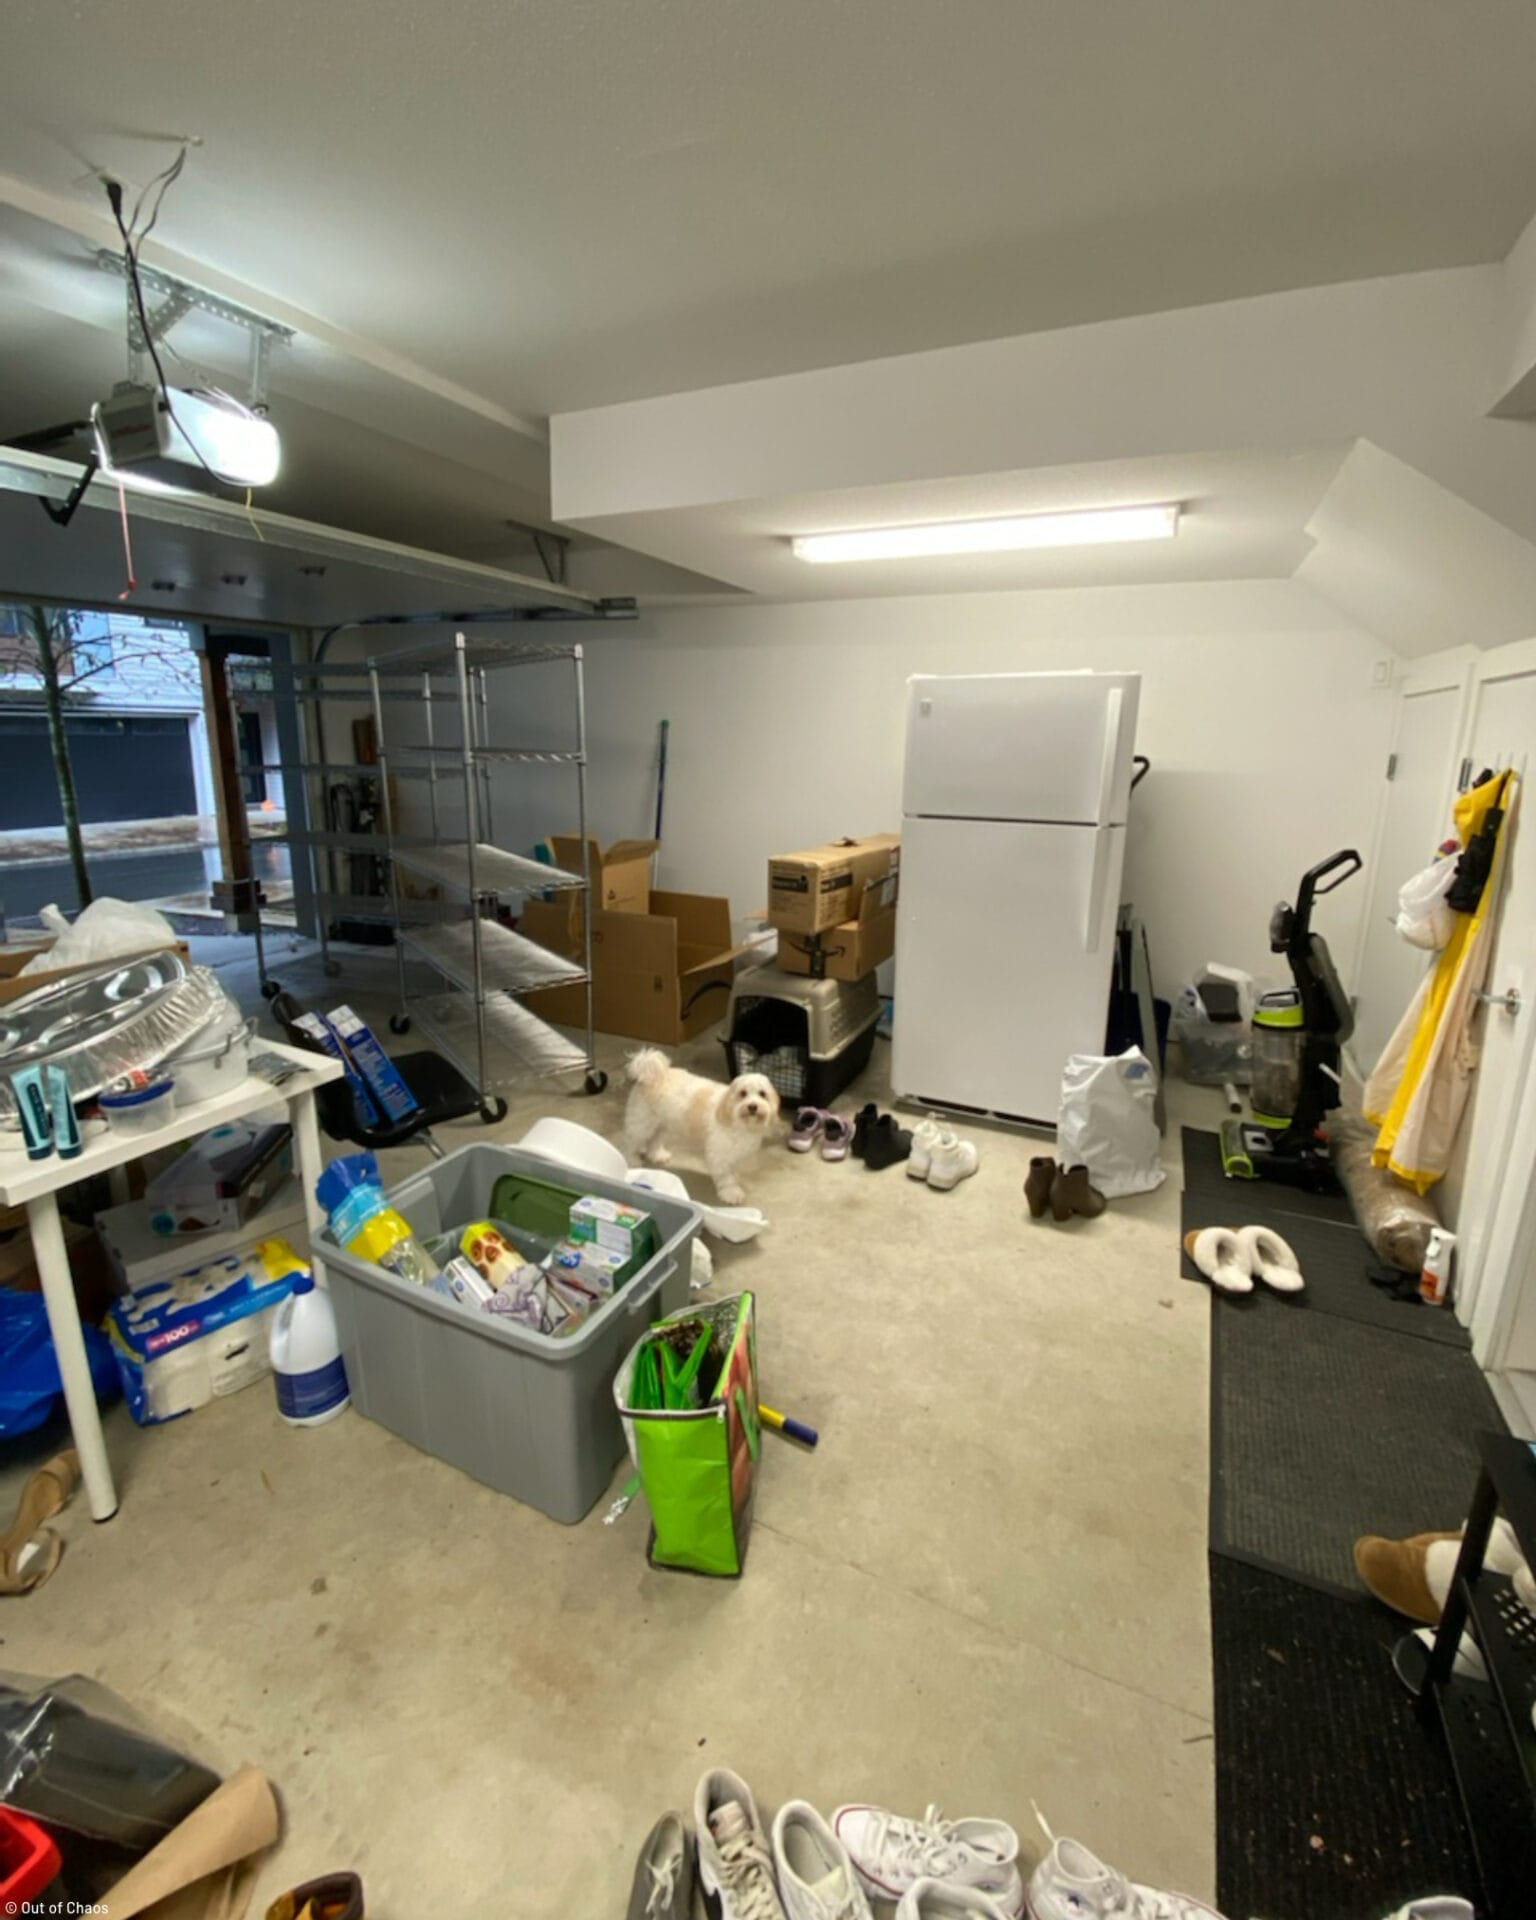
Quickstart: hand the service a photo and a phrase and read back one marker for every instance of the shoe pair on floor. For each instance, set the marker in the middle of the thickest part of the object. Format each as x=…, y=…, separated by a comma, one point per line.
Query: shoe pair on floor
x=812, y=1869
x=1233, y=1259
x=1064, y=1190
x=819, y=1126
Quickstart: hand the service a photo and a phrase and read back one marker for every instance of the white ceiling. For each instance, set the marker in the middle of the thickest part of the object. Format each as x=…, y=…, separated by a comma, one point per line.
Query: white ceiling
x=563, y=202
x=1244, y=518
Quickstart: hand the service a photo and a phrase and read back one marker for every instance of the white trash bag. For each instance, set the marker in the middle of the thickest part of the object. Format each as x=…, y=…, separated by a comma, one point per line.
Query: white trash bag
x=1423, y=918
x=107, y=930
x=1108, y=1122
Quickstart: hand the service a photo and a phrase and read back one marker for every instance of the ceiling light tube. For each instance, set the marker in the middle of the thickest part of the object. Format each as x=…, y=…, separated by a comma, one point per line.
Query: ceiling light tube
x=1098, y=526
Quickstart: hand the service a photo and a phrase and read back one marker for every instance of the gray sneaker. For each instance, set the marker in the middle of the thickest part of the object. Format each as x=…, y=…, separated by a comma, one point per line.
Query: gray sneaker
x=664, y=1873
x=735, y=1866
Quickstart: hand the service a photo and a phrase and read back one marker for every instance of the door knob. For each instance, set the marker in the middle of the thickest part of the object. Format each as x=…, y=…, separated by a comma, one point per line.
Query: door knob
x=1509, y=1001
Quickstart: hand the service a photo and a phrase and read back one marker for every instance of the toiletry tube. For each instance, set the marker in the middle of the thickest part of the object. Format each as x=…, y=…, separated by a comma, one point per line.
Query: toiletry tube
x=32, y=1104
x=61, y=1111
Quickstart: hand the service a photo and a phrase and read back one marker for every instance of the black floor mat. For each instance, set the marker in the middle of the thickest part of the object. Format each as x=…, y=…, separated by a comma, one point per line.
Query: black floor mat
x=1333, y=1802
x=1336, y=1262
x=1323, y=1429
x=1266, y=1200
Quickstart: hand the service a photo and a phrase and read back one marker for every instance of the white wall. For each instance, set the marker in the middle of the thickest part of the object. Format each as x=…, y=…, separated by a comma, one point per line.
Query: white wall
x=1267, y=738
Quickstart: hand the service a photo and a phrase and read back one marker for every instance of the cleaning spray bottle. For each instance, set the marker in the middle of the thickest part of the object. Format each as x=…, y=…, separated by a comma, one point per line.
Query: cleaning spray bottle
x=363, y=1221
x=306, y=1357
x=1435, y=1280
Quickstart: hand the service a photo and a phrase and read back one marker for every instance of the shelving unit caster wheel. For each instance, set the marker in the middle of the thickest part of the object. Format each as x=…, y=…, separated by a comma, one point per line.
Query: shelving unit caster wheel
x=493, y=1110
x=399, y=1023
x=596, y=1080
x=270, y=989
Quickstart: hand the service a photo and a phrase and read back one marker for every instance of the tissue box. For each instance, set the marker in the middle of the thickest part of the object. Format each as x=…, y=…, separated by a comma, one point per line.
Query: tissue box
x=182, y=1342
x=223, y=1177
x=614, y=1227
x=598, y=1269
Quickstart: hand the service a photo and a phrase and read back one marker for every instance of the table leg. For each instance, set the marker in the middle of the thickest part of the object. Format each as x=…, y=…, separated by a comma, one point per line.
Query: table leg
x=306, y=1139
x=52, y=1258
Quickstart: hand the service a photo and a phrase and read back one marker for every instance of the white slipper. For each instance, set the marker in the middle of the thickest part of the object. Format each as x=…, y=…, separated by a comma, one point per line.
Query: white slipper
x=1270, y=1259
x=1221, y=1257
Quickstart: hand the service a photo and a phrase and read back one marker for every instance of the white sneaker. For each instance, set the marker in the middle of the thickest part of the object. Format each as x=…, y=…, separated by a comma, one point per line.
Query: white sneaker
x=817, y=1880
x=925, y=1137
x=952, y=1161
x=1071, y=1883
x=892, y=1854
x=933, y=1900
x=734, y=1863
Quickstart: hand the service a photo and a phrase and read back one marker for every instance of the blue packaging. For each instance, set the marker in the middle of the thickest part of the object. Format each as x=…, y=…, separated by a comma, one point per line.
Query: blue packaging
x=318, y=1028
x=380, y=1072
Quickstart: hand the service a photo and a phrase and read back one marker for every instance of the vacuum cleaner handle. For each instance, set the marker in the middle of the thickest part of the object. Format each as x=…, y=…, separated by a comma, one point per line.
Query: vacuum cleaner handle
x=1346, y=859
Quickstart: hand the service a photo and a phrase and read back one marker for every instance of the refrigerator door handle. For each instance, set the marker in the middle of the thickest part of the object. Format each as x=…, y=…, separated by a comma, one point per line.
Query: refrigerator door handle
x=1095, y=910
x=1113, y=715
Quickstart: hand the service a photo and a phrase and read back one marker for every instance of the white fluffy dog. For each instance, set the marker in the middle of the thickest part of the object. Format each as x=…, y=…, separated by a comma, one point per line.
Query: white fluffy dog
x=673, y=1112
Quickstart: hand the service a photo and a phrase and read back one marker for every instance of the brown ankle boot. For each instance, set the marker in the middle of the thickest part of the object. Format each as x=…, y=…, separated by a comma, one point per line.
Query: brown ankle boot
x=1071, y=1192
x=1037, y=1188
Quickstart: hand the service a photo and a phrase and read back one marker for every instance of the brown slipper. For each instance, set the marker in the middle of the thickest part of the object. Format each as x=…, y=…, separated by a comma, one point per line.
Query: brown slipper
x=1393, y=1570
x=48, y=1492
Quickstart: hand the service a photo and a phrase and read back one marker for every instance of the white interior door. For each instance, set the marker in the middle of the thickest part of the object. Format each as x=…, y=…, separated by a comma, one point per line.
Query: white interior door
x=1417, y=819
x=1503, y=733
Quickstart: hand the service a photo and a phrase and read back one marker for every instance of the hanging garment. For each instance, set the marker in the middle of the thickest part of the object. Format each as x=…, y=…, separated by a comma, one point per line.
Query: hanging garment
x=1419, y=1089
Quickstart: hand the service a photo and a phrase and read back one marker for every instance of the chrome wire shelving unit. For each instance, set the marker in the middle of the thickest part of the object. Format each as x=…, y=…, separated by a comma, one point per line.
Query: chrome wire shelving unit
x=480, y=1023
x=329, y=857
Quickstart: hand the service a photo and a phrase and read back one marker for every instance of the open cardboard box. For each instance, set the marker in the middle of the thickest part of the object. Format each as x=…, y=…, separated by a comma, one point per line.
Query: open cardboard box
x=662, y=974
x=14, y=983
x=621, y=874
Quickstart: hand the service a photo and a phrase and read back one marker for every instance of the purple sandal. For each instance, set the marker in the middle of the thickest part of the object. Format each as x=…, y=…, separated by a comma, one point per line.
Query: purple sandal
x=836, y=1136
x=806, y=1131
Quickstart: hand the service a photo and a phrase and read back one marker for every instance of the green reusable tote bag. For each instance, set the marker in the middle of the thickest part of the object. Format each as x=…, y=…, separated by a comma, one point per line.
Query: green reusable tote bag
x=698, y=1468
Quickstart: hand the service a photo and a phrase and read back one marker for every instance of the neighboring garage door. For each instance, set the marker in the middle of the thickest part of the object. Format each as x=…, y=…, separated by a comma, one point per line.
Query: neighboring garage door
x=127, y=767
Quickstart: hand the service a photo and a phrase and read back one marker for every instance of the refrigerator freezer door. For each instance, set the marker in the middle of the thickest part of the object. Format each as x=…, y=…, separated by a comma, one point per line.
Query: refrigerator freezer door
x=1004, y=945
x=1021, y=746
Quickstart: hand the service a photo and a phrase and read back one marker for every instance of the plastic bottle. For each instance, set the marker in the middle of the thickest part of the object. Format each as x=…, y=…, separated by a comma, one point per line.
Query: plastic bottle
x=306, y=1357
x=364, y=1222
x=1435, y=1280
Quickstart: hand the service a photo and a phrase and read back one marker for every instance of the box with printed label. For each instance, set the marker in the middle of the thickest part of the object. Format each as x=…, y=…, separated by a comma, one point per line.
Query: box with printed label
x=599, y=1269
x=852, y=949
x=379, y=1072
x=222, y=1179
x=824, y=886
x=611, y=1225
x=182, y=1342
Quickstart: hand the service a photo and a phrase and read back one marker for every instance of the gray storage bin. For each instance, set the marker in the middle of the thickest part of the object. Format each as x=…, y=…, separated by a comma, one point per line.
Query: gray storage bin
x=528, y=1414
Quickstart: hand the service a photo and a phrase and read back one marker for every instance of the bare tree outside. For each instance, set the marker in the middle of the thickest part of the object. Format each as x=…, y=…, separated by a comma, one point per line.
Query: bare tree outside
x=55, y=651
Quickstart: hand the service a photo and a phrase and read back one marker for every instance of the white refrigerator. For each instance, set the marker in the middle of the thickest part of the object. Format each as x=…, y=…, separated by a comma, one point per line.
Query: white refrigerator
x=1014, y=806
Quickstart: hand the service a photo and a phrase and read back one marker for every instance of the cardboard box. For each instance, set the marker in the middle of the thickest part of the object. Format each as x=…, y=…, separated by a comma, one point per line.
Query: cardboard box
x=14, y=983
x=621, y=874
x=824, y=886
x=846, y=952
x=223, y=1179
x=663, y=975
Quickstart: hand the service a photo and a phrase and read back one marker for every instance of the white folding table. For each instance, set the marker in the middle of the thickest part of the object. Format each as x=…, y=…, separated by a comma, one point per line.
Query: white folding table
x=36, y=1184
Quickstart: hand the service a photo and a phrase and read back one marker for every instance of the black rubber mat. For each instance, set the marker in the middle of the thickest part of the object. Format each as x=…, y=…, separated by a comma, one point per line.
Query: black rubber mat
x=1333, y=1802
x=1323, y=1429
x=1336, y=1262
x=1267, y=1200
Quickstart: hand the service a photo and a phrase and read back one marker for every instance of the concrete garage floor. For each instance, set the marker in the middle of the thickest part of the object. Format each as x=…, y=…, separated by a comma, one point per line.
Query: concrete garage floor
x=987, y=1587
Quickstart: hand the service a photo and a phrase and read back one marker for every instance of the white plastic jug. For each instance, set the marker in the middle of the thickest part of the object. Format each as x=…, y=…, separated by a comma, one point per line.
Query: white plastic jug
x=306, y=1357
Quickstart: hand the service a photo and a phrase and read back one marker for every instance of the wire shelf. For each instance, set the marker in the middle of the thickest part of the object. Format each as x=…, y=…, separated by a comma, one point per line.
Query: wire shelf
x=495, y=871
x=518, y=1044
x=453, y=751
x=479, y=650
x=509, y=962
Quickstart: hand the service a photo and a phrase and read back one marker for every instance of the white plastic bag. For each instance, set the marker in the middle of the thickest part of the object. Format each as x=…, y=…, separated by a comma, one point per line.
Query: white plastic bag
x=1108, y=1122
x=1423, y=918
x=106, y=930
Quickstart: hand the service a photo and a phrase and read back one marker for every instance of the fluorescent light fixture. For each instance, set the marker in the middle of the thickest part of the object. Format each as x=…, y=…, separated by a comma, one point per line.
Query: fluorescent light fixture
x=1098, y=526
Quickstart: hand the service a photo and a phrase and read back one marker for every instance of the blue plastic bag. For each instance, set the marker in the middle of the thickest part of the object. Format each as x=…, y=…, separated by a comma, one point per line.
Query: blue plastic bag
x=29, y=1367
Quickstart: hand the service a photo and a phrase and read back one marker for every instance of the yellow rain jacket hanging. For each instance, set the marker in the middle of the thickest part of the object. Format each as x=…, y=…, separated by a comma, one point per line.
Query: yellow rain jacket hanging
x=1420, y=1086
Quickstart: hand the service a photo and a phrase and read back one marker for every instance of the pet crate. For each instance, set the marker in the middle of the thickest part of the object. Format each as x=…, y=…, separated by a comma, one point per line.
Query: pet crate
x=808, y=1038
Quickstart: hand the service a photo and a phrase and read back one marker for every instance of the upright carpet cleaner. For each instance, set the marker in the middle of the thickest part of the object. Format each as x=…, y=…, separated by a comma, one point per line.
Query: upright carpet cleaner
x=1298, y=1040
